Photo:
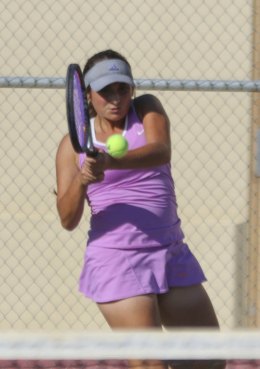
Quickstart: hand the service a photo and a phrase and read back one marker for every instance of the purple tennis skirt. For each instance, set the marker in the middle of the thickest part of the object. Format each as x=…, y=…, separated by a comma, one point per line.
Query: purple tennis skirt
x=115, y=274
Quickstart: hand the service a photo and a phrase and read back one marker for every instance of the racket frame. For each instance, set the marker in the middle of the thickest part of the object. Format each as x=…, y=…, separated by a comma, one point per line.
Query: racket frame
x=88, y=148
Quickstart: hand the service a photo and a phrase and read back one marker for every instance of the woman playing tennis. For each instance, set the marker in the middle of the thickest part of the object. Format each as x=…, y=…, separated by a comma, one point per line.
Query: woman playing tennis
x=137, y=267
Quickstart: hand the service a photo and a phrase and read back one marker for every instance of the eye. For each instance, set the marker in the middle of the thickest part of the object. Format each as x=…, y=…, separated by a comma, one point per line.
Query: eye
x=105, y=91
x=123, y=89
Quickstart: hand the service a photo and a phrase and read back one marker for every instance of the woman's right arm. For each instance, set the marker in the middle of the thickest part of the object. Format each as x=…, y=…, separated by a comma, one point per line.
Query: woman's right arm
x=72, y=182
x=70, y=187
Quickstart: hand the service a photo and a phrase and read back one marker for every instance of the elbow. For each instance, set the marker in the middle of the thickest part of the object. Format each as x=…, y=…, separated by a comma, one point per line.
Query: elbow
x=162, y=153
x=166, y=155
x=69, y=226
x=67, y=222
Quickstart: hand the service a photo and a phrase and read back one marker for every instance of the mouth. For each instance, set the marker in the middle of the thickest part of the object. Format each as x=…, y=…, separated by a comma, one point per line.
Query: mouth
x=115, y=110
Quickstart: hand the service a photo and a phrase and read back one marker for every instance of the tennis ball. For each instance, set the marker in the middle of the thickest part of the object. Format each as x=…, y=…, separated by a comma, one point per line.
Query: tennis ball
x=117, y=146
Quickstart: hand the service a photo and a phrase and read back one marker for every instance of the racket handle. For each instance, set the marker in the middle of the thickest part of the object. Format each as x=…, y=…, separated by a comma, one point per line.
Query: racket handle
x=92, y=153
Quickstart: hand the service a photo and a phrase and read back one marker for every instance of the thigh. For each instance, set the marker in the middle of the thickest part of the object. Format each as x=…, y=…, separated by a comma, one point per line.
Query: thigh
x=187, y=307
x=135, y=312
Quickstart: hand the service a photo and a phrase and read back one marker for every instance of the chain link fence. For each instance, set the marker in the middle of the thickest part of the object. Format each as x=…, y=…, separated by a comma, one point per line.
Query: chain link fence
x=213, y=137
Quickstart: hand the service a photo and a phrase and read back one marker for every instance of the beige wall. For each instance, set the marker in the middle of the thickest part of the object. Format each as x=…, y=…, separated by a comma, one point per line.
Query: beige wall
x=210, y=136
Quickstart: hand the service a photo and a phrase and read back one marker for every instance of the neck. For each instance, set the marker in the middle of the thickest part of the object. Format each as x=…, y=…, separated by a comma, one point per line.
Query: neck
x=105, y=128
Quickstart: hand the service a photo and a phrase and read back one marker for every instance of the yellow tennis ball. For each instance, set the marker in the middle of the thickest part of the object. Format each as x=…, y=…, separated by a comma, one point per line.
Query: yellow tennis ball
x=117, y=146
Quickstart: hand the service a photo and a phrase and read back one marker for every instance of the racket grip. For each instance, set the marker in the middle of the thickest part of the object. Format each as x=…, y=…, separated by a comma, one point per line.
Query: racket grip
x=92, y=153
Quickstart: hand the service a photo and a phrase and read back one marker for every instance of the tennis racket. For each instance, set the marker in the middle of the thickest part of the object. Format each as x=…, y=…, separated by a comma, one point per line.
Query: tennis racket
x=77, y=112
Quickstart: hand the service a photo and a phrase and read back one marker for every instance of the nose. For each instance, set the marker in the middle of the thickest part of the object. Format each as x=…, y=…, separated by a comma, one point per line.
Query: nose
x=115, y=96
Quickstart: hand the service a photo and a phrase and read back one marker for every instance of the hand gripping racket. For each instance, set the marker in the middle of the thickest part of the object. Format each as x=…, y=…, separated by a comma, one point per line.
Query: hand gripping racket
x=77, y=112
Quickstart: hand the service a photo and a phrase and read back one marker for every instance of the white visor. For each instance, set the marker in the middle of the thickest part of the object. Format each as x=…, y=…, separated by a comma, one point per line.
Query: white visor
x=106, y=72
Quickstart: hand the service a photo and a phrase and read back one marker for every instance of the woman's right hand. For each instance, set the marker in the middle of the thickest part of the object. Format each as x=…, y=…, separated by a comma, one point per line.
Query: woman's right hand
x=92, y=169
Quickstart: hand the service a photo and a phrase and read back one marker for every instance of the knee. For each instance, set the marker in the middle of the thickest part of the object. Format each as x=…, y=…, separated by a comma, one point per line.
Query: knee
x=211, y=364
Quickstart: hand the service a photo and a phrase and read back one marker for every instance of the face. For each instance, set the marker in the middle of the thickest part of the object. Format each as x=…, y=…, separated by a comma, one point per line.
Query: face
x=113, y=101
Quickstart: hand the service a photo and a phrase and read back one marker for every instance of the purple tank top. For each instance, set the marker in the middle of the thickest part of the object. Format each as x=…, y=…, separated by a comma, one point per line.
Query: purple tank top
x=133, y=208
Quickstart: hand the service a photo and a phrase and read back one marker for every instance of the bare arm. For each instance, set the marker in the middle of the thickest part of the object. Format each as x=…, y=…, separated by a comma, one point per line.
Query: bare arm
x=72, y=182
x=157, y=131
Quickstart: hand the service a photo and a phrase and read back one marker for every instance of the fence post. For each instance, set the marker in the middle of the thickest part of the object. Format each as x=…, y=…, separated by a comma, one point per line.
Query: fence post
x=253, y=304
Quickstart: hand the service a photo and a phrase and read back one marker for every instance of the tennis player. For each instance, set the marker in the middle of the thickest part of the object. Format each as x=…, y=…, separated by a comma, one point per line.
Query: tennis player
x=137, y=266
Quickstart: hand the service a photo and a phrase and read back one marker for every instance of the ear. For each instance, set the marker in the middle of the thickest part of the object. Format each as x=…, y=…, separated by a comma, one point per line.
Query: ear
x=133, y=92
x=92, y=111
x=88, y=95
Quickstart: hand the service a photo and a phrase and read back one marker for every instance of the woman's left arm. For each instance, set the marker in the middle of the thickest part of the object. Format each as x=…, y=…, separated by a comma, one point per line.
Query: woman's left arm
x=156, y=125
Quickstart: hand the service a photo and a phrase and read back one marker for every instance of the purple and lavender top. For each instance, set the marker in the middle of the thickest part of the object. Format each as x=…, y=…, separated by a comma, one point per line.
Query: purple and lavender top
x=133, y=208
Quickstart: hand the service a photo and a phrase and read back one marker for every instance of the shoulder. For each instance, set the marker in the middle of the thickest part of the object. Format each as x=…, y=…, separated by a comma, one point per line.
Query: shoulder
x=147, y=100
x=65, y=149
x=65, y=143
x=148, y=103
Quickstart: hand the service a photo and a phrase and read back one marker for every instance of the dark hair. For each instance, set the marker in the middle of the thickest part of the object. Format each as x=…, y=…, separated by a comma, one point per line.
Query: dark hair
x=102, y=55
